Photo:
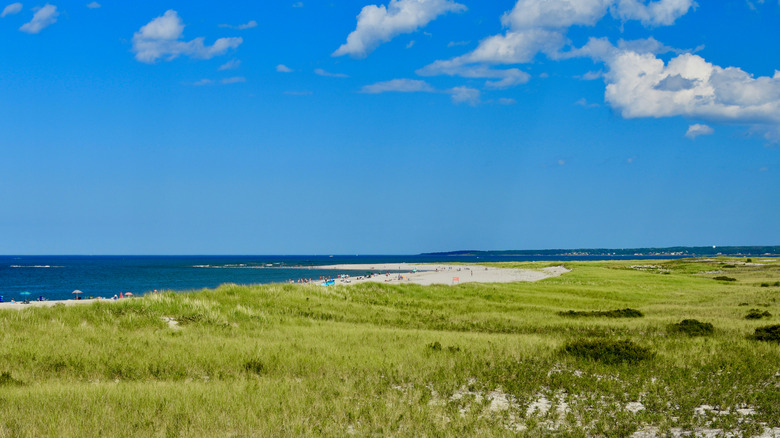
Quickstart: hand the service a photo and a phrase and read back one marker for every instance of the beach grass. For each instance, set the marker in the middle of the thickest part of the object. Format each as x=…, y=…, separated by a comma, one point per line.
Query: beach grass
x=406, y=360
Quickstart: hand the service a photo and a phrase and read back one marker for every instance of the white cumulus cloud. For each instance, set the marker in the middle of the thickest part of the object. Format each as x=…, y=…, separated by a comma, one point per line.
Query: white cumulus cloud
x=93, y=5
x=555, y=13
x=43, y=18
x=13, y=8
x=641, y=85
x=281, y=68
x=398, y=85
x=379, y=24
x=658, y=13
x=161, y=39
x=540, y=26
x=698, y=129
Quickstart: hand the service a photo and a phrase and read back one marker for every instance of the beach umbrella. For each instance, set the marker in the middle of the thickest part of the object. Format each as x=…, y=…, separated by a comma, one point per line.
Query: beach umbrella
x=24, y=293
x=128, y=294
x=77, y=292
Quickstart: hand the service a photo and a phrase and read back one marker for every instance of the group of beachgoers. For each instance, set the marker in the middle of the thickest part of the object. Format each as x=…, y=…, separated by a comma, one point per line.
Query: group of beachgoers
x=330, y=281
x=122, y=295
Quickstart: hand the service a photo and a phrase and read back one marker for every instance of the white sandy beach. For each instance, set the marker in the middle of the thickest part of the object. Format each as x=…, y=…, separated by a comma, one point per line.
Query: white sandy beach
x=441, y=273
x=18, y=306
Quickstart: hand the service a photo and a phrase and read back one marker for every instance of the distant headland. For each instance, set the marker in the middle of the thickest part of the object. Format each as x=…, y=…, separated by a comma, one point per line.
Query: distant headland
x=673, y=251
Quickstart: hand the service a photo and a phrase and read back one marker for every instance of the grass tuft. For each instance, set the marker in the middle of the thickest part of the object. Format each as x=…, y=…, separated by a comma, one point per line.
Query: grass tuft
x=724, y=278
x=691, y=327
x=609, y=351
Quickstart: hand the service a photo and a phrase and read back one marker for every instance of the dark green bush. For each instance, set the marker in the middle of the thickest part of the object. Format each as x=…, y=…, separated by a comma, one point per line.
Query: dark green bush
x=6, y=379
x=609, y=351
x=757, y=314
x=435, y=346
x=724, y=278
x=767, y=333
x=618, y=313
x=691, y=327
x=254, y=366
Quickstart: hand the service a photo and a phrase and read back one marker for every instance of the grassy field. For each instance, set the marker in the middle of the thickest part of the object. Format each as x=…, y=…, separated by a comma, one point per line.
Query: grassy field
x=407, y=360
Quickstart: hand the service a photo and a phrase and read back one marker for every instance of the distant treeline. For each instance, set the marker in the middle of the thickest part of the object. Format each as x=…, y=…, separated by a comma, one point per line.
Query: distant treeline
x=691, y=251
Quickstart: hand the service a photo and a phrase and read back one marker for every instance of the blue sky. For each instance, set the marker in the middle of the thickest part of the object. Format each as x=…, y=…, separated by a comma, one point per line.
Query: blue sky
x=319, y=127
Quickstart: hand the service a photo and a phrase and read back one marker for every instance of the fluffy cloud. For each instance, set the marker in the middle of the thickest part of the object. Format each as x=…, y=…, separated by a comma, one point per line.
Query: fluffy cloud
x=560, y=14
x=658, y=13
x=13, y=8
x=539, y=26
x=93, y=5
x=510, y=48
x=161, y=38
x=641, y=85
x=281, y=68
x=698, y=129
x=379, y=24
x=555, y=13
x=398, y=85
x=43, y=18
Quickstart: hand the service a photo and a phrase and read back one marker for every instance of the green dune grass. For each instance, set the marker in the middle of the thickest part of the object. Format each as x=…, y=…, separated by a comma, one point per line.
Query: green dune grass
x=404, y=360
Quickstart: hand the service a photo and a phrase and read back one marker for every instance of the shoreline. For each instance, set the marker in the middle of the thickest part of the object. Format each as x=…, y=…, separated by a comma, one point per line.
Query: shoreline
x=50, y=303
x=440, y=273
x=390, y=273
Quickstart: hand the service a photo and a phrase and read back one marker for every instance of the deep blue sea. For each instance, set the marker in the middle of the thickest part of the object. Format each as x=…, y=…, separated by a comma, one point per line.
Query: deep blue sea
x=56, y=277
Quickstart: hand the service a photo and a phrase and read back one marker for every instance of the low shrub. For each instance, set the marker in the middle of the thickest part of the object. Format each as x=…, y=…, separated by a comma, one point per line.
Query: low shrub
x=617, y=313
x=757, y=314
x=435, y=346
x=691, y=327
x=724, y=278
x=609, y=351
x=768, y=333
x=254, y=366
x=6, y=379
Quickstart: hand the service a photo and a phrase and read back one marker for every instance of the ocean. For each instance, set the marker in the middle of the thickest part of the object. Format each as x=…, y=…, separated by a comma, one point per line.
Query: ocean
x=56, y=277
